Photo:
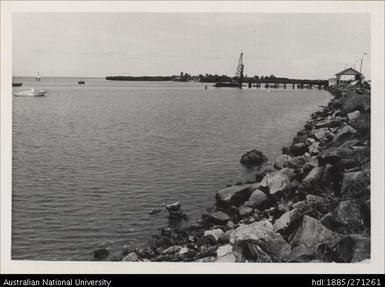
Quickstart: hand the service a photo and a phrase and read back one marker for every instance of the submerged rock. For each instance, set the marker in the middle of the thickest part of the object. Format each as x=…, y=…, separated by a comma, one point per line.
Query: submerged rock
x=154, y=211
x=253, y=157
x=101, y=253
x=173, y=206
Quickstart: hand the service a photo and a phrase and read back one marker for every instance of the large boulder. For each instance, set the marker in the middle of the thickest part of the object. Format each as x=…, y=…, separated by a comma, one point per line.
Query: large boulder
x=315, y=176
x=355, y=184
x=314, y=148
x=225, y=254
x=172, y=249
x=301, y=253
x=321, y=179
x=264, y=240
x=244, y=211
x=261, y=171
x=256, y=199
x=278, y=182
x=131, y=257
x=330, y=123
x=334, y=155
x=173, y=206
x=213, y=235
x=345, y=157
x=253, y=158
x=219, y=218
x=353, y=248
x=290, y=218
x=234, y=195
x=296, y=162
x=299, y=149
x=360, y=155
x=344, y=134
x=348, y=214
x=281, y=161
x=312, y=233
x=350, y=143
x=321, y=133
x=354, y=115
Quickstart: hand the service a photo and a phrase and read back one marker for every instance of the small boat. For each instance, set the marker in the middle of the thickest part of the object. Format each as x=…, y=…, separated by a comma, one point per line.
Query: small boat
x=31, y=93
x=81, y=82
x=16, y=84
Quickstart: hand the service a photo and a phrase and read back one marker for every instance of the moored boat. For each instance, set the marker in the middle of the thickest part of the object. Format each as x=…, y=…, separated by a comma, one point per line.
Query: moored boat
x=31, y=93
x=16, y=84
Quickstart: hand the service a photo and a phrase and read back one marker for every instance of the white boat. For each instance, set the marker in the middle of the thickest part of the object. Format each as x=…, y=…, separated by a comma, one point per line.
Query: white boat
x=31, y=93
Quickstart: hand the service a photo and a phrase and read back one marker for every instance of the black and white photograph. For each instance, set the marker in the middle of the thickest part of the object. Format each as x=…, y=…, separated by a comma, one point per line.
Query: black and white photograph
x=218, y=134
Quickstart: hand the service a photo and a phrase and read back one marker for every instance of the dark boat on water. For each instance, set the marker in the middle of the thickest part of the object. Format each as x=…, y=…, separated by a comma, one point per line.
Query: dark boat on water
x=238, y=79
x=81, y=82
x=16, y=84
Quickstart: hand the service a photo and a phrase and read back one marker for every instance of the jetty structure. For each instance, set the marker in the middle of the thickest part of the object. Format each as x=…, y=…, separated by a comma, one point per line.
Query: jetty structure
x=237, y=80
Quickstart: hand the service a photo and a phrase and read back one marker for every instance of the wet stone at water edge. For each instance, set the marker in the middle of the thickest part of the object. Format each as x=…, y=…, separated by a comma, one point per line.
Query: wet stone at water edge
x=175, y=214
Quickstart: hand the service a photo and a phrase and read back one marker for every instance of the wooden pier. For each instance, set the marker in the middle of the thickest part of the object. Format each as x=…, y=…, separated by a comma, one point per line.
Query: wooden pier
x=294, y=86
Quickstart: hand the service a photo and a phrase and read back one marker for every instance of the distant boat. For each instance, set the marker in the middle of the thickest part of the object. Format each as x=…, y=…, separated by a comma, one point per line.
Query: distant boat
x=31, y=93
x=81, y=82
x=238, y=80
x=16, y=84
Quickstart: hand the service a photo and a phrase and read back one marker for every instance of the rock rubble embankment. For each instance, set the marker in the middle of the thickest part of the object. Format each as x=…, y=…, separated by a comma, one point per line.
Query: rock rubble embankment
x=311, y=205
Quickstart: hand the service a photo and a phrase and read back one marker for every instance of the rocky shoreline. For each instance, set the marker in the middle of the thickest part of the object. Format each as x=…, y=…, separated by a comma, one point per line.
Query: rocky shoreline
x=312, y=204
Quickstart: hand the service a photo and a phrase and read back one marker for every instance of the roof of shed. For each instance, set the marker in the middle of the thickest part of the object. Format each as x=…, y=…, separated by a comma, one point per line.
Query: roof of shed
x=348, y=71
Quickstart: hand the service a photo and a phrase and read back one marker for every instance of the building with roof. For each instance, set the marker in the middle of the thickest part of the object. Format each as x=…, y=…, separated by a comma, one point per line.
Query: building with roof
x=348, y=75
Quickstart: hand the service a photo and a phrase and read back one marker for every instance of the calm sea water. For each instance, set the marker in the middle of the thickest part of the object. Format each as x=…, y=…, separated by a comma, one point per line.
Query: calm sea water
x=90, y=161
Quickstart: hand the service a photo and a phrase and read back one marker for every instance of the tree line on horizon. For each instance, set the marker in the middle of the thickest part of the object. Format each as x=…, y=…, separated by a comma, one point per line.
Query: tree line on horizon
x=210, y=78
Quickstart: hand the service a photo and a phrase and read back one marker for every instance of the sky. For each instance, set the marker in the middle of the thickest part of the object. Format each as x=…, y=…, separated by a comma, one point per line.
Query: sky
x=311, y=46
